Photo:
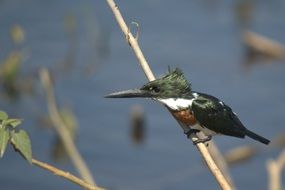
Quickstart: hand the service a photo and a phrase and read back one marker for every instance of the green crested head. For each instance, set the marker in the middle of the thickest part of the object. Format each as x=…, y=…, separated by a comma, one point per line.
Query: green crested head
x=172, y=85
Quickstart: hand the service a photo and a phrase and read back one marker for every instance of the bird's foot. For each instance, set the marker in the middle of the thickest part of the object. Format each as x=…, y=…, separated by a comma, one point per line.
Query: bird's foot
x=208, y=138
x=190, y=132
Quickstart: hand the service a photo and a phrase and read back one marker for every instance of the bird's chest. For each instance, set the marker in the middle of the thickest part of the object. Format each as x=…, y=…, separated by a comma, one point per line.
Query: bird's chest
x=185, y=116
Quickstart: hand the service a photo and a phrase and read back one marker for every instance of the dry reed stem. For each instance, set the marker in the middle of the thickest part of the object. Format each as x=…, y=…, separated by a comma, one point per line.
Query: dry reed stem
x=134, y=44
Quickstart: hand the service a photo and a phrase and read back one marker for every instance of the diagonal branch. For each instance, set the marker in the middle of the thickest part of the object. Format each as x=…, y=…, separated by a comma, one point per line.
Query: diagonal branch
x=143, y=63
x=65, y=175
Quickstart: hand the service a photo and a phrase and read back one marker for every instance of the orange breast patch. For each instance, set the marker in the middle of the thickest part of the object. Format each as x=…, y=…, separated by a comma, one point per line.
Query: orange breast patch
x=185, y=116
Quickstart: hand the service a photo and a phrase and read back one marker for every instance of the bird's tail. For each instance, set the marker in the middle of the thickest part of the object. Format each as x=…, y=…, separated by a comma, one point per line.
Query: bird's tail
x=256, y=137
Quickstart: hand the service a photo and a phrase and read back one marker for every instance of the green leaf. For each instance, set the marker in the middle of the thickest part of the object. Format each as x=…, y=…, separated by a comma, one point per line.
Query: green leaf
x=21, y=142
x=3, y=115
x=13, y=122
x=4, y=137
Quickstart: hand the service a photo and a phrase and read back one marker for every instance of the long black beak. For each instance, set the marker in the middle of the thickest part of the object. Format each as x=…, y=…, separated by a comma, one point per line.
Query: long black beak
x=133, y=93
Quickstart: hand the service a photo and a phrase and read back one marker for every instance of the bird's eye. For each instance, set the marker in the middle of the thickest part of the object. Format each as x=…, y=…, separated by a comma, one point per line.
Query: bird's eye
x=155, y=89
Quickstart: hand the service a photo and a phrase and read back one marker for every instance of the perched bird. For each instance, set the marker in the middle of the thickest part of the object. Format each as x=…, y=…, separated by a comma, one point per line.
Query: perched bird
x=199, y=111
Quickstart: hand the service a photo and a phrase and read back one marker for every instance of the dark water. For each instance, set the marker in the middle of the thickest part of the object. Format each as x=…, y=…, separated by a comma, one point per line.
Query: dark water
x=201, y=37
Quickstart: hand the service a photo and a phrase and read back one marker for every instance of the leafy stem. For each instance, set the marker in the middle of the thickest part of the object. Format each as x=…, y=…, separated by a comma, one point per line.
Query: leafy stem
x=9, y=133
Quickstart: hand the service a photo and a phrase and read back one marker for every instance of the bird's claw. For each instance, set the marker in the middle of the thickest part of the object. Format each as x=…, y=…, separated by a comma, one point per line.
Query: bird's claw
x=190, y=132
x=208, y=138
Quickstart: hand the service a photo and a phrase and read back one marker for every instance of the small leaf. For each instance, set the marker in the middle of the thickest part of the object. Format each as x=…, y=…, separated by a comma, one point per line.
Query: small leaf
x=4, y=137
x=3, y=115
x=21, y=142
x=13, y=122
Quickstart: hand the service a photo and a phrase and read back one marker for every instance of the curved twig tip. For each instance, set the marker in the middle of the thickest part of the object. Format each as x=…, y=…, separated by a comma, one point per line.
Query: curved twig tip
x=136, y=32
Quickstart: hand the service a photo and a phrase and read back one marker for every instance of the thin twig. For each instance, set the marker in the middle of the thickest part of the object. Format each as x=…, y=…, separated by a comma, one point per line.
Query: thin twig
x=65, y=175
x=62, y=131
x=131, y=40
x=134, y=44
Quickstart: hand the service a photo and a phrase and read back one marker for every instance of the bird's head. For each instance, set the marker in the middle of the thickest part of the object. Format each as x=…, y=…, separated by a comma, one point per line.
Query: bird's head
x=172, y=85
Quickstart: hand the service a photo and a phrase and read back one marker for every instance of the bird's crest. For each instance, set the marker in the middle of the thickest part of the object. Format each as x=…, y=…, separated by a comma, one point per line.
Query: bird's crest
x=177, y=76
x=173, y=84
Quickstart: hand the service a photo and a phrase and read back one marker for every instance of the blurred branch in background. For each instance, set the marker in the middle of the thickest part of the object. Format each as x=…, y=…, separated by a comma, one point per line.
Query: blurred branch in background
x=143, y=63
x=240, y=154
x=13, y=84
x=62, y=129
x=261, y=47
x=244, y=153
x=58, y=149
x=278, y=141
x=275, y=168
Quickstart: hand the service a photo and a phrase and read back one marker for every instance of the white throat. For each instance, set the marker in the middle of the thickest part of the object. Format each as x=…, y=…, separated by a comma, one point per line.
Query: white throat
x=176, y=103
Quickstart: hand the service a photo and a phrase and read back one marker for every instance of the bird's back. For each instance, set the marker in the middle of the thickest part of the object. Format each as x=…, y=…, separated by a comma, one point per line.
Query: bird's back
x=215, y=115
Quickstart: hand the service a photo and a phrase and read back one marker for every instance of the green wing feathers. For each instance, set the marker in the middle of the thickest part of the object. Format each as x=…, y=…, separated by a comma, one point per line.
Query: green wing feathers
x=216, y=116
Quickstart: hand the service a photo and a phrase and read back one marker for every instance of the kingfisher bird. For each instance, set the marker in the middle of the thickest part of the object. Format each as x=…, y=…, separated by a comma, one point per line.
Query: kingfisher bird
x=198, y=111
